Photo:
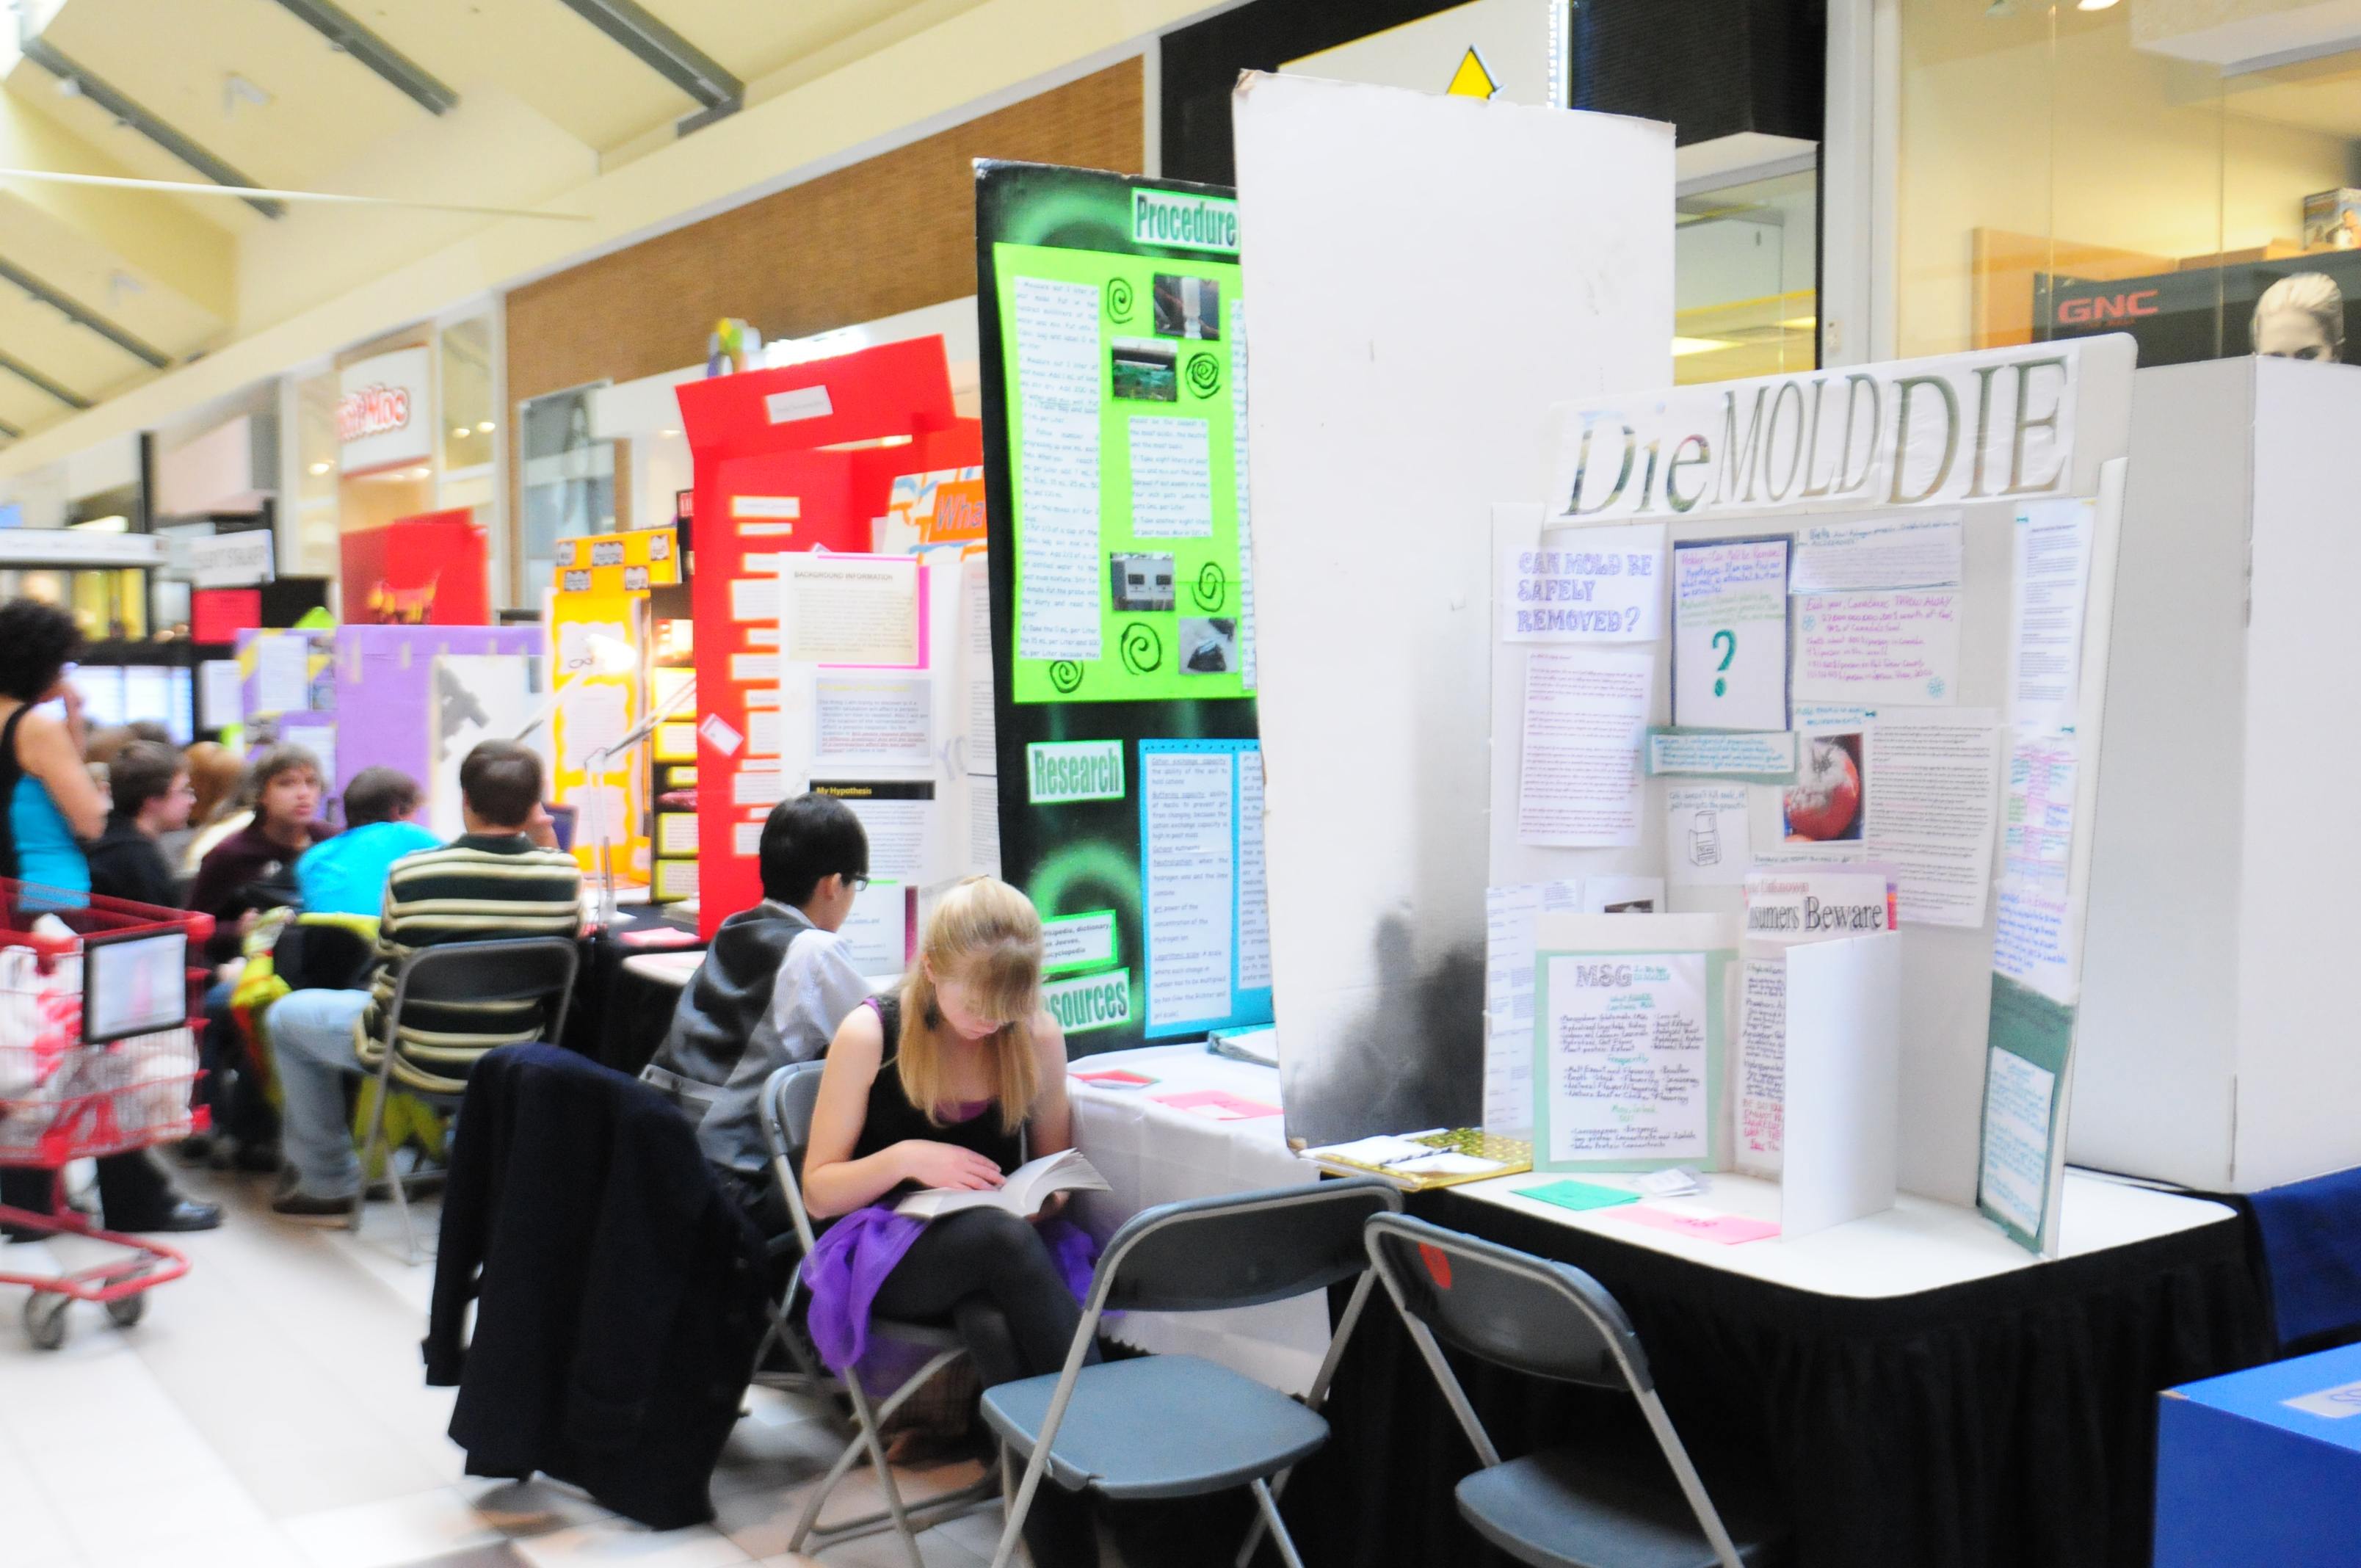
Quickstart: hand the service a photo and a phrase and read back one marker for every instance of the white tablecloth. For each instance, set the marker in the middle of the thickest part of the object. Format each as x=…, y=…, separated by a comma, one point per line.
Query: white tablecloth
x=1152, y=1154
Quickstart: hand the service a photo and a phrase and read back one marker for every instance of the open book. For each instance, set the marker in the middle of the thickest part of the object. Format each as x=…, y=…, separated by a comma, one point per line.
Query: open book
x=1028, y=1187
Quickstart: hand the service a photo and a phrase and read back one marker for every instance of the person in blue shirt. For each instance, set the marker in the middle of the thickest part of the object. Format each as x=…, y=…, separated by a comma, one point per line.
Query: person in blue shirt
x=345, y=874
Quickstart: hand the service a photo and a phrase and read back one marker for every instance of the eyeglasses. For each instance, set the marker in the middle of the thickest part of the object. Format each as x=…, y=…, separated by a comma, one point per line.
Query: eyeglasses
x=857, y=883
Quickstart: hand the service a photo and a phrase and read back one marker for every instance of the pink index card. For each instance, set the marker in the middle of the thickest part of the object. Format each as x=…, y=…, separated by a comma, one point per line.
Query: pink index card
x=1217, y=1105
x=1728, y=1229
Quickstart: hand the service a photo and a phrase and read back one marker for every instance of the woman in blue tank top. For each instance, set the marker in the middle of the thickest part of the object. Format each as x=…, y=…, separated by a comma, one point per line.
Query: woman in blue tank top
x=52, y=804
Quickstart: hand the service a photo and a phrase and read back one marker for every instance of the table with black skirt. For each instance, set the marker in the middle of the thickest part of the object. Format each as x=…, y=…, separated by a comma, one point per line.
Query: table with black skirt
x=619, y=1016
x=1910, y=1390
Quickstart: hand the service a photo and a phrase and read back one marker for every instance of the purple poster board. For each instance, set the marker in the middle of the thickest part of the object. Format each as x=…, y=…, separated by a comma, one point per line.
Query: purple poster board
x=385, y=689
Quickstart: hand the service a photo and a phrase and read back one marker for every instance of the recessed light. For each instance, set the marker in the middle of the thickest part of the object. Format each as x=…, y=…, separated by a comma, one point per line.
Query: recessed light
x=668, y=433
x=486, y=427
x=319, y=467
x=461, y=431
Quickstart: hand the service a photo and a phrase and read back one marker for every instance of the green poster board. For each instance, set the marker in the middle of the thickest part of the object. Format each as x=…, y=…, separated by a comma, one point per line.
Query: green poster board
x=1166, y=564
x=2028, y=1066
x=1085, y=279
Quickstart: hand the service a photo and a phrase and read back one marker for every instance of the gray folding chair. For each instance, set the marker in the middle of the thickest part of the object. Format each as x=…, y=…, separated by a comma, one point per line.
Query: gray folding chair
x=536, y=968
x=788, y=1097
x=1549, y=1320
x=1177, y=1426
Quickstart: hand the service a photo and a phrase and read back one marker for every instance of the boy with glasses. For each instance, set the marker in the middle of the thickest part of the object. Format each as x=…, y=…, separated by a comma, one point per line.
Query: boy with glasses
x=774, y=986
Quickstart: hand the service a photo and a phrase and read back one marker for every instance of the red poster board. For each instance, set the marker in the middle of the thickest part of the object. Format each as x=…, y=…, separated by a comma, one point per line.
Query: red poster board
x=764, y=486
x=218, y=615
x=428, y=570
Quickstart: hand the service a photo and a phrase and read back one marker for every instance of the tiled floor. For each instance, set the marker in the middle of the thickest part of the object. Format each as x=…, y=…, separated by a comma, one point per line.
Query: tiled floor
x=270, y=1412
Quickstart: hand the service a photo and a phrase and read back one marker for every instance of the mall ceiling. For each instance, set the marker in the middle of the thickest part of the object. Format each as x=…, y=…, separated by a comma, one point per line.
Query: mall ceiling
x=491, y=103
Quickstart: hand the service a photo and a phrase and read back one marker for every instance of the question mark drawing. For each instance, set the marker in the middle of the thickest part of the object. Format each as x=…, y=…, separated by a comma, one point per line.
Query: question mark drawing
x=1721, y=687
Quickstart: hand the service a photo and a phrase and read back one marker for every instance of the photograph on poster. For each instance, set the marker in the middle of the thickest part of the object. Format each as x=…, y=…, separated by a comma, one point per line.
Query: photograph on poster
x=1825, y=804
x=1208, y=646
x=1188, y=307
x=1140, y=584
x=1144, y=372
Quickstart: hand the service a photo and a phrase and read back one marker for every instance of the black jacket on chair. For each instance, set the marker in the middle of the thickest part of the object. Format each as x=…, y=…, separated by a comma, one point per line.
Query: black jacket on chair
x=619, y=1294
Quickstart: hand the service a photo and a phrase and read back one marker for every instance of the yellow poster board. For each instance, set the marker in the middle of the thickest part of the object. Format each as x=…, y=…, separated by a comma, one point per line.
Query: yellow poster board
x=598, y=648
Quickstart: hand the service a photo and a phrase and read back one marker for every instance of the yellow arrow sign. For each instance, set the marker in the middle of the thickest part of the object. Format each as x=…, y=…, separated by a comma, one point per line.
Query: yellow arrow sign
x=1471, y=80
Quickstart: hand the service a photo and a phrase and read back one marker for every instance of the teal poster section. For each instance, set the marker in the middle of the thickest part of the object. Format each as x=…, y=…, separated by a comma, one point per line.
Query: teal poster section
x=1110, y=319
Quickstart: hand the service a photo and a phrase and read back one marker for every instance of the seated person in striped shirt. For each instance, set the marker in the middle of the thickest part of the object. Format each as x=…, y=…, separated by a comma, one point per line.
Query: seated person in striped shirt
x=503, y=878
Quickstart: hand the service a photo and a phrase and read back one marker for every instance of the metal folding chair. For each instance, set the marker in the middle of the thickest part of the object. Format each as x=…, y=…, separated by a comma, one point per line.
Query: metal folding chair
x=1549, y=1320
x=536, y=969
x=1177, y=1426
x=788, y=1096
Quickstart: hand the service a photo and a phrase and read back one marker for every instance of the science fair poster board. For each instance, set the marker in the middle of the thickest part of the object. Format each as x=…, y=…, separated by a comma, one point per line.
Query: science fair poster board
x=386, y=677
x=600, y=587
x=1128, y=774
x=1430, y=275
x=1945, y=645
x=766, y=487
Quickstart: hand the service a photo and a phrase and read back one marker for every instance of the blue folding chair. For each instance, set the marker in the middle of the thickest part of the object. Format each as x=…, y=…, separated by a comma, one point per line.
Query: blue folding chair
x=1176, y=1426
x=1549, y=1320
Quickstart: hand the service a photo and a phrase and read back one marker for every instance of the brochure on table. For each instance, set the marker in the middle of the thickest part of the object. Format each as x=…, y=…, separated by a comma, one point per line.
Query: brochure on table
x=767, y=491
x=1696, y=678
x=1114, y=330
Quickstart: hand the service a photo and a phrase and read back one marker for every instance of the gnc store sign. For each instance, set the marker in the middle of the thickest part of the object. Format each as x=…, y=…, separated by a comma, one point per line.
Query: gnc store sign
x=385, y=415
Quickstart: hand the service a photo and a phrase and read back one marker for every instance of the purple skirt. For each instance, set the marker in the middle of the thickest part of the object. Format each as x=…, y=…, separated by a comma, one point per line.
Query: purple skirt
x=849, y=1265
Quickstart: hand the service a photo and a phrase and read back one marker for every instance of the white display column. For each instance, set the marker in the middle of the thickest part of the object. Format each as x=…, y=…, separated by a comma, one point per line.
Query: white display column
x=2217, y=1042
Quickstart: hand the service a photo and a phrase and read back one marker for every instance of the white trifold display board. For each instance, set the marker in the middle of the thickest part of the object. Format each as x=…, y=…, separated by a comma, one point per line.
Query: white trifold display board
x=1890, y=447
x=1957, y=449
x=2216, y=1047
x=1435, y=272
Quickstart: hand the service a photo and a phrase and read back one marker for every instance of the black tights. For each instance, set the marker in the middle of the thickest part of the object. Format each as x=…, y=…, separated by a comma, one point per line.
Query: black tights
x=993, y=1276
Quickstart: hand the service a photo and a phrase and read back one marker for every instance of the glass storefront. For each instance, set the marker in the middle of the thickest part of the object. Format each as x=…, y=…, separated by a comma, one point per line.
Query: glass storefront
x=2064, y=173
x=1745, y=295
x=568, y=479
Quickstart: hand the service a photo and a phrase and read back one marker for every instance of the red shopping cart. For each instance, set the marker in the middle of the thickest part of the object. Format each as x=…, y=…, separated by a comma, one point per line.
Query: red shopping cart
x=98, y=1054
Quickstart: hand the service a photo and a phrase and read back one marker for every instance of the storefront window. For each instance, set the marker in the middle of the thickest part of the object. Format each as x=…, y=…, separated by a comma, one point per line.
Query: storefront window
x=2065, y=172
x=468, y=423
x=315, y=547
x=1745, y=301
x=569, y=489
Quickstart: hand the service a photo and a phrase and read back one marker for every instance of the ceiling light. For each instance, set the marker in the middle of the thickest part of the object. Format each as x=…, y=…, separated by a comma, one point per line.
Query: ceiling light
x=667, y=433
x=1801, y=324
x=2092, y=4
x=485, y=426
x=419, y=472
x=461, y=432
x=1682, y=346
x=319, y=468
x=69, y=87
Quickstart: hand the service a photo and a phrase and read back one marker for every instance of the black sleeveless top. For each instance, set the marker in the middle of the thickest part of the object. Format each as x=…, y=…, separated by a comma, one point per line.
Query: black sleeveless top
x=891, y=1118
